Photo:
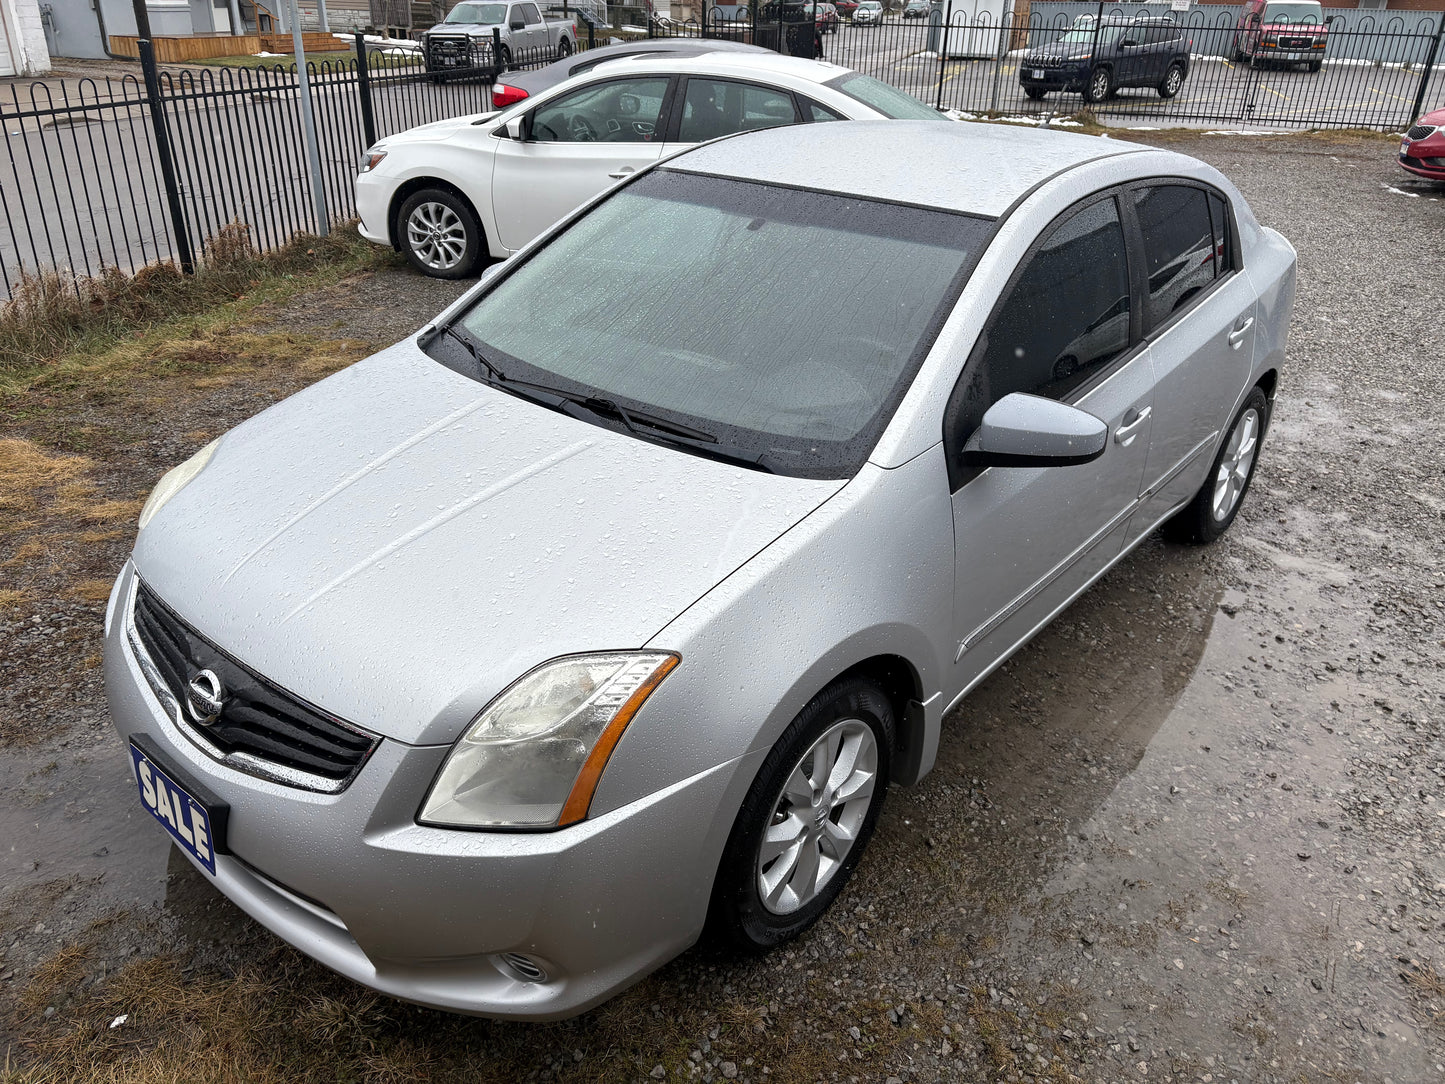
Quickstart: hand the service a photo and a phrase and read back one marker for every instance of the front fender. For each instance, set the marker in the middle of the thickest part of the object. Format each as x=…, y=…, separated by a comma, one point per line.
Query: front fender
x=869, y=573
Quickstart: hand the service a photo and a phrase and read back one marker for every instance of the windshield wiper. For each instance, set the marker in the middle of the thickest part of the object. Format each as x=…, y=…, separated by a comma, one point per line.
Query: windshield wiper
x=699, y=441
x=470, y=348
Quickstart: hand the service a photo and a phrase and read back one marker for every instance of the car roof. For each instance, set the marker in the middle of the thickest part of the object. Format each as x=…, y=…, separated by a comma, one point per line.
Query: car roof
x=973, y=168
x=717, y=63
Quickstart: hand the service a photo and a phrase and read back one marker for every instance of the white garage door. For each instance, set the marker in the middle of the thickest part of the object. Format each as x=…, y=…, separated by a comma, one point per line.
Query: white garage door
x=7, y=65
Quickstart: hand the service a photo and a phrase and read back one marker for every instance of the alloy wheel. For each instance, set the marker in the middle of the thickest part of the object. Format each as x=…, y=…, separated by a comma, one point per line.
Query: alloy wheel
x=1235, y=465
x=816, y=819
x=436, y=235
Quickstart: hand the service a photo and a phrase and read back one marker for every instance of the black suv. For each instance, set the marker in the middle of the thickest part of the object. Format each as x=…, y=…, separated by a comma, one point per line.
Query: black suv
x=1117, y=53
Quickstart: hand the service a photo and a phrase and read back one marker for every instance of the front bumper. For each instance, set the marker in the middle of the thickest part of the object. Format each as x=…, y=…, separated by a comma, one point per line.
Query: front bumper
x=373, y=206
x=1069, y=77
x=1423, y=161
x=424, y=914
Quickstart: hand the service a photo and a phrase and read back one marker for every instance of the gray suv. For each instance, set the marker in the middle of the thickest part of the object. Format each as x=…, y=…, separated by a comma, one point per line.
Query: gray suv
x=1097, y=61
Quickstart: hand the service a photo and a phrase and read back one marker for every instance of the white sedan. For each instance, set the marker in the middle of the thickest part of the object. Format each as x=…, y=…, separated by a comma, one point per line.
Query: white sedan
x=450, y=194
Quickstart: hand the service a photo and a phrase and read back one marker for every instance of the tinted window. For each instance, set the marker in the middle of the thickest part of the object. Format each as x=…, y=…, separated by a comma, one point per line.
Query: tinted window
x=531, y=14
x=784, y=322
x=716, y=107
x=1179, y=250
x=1063, y=320
x=623, y=111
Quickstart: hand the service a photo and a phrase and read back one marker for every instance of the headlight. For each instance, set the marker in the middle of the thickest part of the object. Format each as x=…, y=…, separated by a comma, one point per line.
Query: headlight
x=533, y=757
x=175, y=480
x=370, y=160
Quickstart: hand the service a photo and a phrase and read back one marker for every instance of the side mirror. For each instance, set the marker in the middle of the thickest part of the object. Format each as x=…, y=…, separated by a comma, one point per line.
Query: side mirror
x=513, y=128
x=517, y=23
x=1022, y=430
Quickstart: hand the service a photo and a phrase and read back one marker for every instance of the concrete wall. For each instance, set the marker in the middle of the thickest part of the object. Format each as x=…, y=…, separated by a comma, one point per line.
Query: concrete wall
x=22, y=38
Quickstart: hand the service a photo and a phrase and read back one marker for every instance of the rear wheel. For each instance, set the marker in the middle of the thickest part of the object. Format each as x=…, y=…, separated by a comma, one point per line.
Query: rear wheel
x=1171, y=83
x=1099, y=86
x=806, y=819
x=564, y=49
x=1214, y=507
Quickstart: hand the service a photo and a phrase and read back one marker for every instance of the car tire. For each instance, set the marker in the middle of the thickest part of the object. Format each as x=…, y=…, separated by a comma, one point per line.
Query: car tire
x=564, y=49
x=1036, y=93
x=505, y=56
x=439, y=234
x=1172, y=82
x=1314, y=65
x=767, y=891
x=1211, y=511
x=1100, y=85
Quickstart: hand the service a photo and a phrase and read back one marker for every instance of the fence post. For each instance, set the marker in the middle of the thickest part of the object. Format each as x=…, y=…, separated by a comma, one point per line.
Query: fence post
x=163, y=152
x=591, y=36
x=1425, y=75
x=363, y=90
x=497, y=50
x=943, y=54
x=1000, y=55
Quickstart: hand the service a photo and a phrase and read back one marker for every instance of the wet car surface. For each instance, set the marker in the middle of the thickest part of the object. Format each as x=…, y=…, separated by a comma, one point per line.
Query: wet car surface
x=1123, y=840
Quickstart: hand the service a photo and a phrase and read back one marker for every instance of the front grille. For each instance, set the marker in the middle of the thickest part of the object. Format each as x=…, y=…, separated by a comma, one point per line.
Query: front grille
x=261, y=728
x=1420, y=131
x=1049, y=62
x=1296, y=43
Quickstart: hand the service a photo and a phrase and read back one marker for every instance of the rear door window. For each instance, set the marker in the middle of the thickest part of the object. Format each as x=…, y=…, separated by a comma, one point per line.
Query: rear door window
x=719, y=107
x=1179, y=247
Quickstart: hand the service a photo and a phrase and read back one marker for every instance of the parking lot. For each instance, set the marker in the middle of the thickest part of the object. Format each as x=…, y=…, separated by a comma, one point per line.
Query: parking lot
x=1191, y=832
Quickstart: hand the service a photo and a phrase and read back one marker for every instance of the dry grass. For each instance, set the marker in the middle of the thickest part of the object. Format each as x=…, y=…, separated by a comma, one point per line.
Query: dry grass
x=55, y=313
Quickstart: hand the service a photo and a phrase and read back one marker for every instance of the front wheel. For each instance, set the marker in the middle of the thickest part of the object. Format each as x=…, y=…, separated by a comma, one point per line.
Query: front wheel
x=1036, y=93
x=1099, y=86
x=1314, y=65
x=806, y=819
x=1214, y=507
x=505, y=58
x=439, y=234
x=1172, y=81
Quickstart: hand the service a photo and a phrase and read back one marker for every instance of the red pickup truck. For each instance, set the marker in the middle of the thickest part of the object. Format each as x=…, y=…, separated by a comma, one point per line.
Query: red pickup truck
x=1281, y=32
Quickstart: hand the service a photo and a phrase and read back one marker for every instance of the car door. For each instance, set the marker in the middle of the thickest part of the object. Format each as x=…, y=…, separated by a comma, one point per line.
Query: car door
x=1027, y=539
x=574, y=145
x=534, y=29
x=1199, y=321
x=708, y=108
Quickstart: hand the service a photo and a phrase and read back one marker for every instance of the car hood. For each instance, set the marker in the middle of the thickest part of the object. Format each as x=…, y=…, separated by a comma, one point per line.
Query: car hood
x=398, y=543
x=437, y=129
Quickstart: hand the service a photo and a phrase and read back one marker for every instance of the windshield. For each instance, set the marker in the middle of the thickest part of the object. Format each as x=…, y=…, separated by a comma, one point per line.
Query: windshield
x=1084, y=35
x=783, y=322
x=487, y=14
x=1293, y=13
x=888, y=100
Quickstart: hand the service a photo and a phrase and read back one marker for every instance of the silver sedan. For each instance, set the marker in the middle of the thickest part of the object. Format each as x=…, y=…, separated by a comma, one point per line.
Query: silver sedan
x=494, y=669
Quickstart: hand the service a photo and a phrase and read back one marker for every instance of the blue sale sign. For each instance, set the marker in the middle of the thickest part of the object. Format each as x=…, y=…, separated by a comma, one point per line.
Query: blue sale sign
x=185, y=817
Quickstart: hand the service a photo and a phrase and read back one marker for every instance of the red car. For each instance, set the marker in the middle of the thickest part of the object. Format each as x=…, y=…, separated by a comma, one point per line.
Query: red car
x=846, y=7
x=1422, y=151
x=1284, y=32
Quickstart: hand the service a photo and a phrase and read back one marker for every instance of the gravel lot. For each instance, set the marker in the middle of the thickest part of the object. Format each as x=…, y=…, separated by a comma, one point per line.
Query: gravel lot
x=1194, y=831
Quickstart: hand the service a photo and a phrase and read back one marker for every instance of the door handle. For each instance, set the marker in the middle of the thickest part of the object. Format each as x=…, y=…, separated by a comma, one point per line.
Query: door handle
x=1236, y=337
x=1125, y=434
x=623, y=172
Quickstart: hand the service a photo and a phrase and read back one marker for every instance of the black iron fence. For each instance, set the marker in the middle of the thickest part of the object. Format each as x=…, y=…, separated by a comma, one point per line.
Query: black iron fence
x=126, y=171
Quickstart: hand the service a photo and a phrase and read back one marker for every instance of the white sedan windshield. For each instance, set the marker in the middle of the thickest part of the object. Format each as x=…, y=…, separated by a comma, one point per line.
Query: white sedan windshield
x=785, y=321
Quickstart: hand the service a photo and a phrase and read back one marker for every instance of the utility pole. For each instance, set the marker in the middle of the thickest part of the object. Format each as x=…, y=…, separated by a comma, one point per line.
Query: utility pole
x=308, y=122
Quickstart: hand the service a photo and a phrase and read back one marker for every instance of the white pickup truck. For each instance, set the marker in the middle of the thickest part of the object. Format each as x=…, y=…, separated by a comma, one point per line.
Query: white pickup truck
x=464, y=38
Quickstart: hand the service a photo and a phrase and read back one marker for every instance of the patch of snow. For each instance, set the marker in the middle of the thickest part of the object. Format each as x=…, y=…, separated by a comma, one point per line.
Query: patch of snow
x=1399, y=191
